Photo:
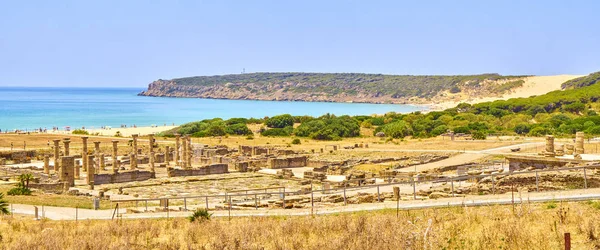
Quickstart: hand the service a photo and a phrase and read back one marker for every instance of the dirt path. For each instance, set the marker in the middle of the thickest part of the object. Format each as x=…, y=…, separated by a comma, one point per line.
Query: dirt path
x=62, y=213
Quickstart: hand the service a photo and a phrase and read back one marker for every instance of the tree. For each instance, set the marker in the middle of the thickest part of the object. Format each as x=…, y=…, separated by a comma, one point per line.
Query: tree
x=3, y=205
x=280, y=121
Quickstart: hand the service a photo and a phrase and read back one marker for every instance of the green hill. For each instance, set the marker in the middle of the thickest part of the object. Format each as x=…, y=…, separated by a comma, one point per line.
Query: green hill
x=335, y=87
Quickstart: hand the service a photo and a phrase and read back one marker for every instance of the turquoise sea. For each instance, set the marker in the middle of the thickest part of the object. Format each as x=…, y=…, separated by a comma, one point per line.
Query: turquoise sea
x=32, y=108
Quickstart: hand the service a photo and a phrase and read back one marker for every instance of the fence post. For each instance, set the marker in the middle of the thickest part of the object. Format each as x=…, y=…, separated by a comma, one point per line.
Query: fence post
x=345, y=195
x=76, y=213
x=537, y=182
x=414, y=189
x=567, y=241
x=283, y=196
x=378, y=196
x=206, y=202
x=452, y=185
x=184, y=204
x=146, y=205
x=229, y=207
x=256, y=201
x=312, y=198
x=493, y=185
x=585, y=178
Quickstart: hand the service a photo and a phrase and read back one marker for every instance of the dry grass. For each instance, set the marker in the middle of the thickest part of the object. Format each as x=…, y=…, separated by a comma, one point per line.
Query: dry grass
x=529, y=227
x=55, y=200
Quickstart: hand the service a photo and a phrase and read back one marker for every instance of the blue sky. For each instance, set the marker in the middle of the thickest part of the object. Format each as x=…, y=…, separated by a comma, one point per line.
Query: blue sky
x=131, y=43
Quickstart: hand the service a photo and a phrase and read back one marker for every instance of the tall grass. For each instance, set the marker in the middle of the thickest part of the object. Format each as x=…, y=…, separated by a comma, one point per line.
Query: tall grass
x=498, y=227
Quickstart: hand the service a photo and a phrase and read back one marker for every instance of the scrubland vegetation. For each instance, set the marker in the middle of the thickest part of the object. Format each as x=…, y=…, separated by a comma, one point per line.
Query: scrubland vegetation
x=525, y=226
x=561, y=113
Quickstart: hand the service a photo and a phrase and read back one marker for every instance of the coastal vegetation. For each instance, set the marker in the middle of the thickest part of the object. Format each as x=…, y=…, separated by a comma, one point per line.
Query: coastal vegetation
x=561, y=113
x=336, y=87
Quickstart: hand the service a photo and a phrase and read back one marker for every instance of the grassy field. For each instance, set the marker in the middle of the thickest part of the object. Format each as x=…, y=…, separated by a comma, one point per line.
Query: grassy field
x=539, y=226
x=49, y=199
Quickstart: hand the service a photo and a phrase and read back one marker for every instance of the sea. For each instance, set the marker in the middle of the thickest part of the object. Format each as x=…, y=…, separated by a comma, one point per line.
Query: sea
x=29, y=108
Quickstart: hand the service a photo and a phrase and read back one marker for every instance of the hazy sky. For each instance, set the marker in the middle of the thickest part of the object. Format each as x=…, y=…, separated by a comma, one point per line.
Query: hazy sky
x=131, y=43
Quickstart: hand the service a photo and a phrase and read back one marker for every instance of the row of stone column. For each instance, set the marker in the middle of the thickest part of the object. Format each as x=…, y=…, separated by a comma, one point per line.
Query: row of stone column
x=183, y=144
x=571, y=149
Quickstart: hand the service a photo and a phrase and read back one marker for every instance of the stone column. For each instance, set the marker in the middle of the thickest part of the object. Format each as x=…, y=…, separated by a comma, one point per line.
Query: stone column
x=177, y=146
x=91, y=171
x=96, y=147
x=46, y=164
x=77, y=171
x=132, y=161
x=89, y=162
x=184, y=153
x=134, y=144
x=152, y=161
x=115, y=155
x=116, y=169
x=560, y=150
x=549, y=146
x=66, y=142
x=67, y=170
x=102, y=163
x=190, y=152
x=151, y=142
x=84, y=153
x=579, y=138
x=167, y=154
x=570, y=149
x=56, y=154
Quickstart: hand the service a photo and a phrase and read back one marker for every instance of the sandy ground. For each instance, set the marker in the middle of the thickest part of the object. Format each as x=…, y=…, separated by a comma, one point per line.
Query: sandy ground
x=130, y=131
x=535, y=85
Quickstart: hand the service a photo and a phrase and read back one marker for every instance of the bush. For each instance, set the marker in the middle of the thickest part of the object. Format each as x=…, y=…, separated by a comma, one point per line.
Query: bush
x=3, y=205
x=118, y=134
x=200, y=215
x=80, y=132
x=280, y=121
x=296, y=141
x=287, y=131
x=329, y=127
x=238, y=129
x=479, y=135
x=19, y=191
x=398, y=129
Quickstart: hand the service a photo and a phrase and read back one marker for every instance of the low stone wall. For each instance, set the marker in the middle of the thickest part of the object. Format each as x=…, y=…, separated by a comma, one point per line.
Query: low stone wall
x=53, y=187
x=521, y=162
x=204, y=170
x=322, y=163
x=126, y=176
x=288, y=162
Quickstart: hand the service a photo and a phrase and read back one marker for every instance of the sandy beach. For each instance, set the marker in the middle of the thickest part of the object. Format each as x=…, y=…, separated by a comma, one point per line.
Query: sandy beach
x=130, y=130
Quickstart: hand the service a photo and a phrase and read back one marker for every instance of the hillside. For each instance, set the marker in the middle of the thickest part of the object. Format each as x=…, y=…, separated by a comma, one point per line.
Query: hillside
x=582, y=81
x=334, y=87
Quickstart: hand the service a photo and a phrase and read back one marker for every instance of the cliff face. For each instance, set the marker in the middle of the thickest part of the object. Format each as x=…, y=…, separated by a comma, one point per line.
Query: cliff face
x=365, y=88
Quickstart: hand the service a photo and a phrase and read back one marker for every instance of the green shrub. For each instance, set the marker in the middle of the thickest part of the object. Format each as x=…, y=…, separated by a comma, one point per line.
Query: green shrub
x=19, y=191
x=479, y=135
x=296, y=141
x=280, y=121
x=80, y=132
x=200, y=215
x=287, y=131
x=3, y=205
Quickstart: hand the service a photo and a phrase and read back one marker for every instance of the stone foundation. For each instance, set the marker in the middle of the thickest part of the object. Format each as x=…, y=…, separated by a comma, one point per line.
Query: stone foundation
x=516, y=163
x=288, y=162
x=204, y=170
x=125, y=176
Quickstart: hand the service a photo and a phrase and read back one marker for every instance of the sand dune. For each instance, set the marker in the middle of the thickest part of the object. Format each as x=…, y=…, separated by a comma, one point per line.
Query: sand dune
x=535, y=85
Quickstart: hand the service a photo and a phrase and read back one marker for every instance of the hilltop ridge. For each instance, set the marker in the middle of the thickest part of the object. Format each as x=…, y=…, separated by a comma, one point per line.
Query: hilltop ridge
x=335, y=87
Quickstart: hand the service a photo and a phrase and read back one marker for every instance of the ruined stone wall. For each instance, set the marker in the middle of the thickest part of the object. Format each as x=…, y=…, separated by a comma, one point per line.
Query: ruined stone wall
x=47, y=186
x=204, y=170
x=522, y=162
x=287, y=162
x=126, y=176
